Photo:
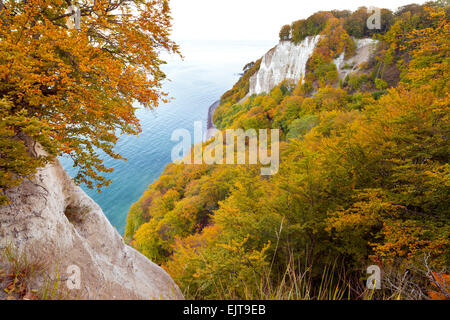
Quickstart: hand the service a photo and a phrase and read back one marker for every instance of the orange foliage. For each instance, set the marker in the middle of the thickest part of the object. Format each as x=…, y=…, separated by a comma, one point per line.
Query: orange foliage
x=81, y=84
x=441, y=282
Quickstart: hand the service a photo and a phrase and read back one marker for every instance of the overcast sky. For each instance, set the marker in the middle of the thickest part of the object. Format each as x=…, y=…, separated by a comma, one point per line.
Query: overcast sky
x=253, y=19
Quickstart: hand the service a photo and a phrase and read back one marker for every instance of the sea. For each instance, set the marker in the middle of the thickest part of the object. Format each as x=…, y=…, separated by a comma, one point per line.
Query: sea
x=194, y=83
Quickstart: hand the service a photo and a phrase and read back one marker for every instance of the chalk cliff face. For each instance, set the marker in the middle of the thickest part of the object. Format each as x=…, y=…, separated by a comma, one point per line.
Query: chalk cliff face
x=364, y=48
x=53, y=220
x=285, y=61
x=288, y=61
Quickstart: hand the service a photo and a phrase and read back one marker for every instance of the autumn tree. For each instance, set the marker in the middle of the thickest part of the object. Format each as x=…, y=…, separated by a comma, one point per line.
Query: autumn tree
x=73, y=90
x=311, y=26
x=285, y=32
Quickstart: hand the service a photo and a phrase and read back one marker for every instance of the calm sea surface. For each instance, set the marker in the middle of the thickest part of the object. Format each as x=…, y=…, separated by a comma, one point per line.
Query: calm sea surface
x=208, y=70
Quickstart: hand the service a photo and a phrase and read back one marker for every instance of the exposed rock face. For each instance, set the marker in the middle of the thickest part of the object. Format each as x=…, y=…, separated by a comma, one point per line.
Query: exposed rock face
x=285, y=61
x=364, y=48
x=55, y=221
x=210, y=126
x=288, y=61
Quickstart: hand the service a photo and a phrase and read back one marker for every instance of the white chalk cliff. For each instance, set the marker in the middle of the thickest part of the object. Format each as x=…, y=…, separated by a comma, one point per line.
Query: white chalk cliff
x=53, y=220
x=364, y=49
x=285, y=61
x=288, y=61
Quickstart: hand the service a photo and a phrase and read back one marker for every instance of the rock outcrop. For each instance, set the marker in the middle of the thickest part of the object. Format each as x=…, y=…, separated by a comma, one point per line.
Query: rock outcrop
x=364, y=49
x=211, y=129
x=288, y=61
x=53, y=220
x=285, y=61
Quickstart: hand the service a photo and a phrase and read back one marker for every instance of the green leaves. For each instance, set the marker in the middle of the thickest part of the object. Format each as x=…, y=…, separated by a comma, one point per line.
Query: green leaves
x=19, y=158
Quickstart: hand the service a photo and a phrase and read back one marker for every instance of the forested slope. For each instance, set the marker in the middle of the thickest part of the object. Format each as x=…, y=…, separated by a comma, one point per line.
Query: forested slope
x=363, y=179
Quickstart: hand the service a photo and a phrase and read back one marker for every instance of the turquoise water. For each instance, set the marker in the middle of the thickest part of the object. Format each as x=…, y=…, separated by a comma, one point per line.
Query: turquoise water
x=208, y=70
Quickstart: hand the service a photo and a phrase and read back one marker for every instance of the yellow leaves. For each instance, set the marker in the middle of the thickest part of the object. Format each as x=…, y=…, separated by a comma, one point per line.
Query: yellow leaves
x=364, y=214
x=242, y=253
x=366, y=177
x=234, y=246
x=334, y=40
x=186, y=250
x=82, y=84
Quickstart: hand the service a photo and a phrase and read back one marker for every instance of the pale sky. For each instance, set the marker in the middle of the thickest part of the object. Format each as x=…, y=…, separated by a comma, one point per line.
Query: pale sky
x=253, y=19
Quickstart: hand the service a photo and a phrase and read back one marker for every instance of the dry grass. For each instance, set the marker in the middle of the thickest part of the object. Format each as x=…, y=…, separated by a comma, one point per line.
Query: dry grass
x=25, y=277
x=299, y=283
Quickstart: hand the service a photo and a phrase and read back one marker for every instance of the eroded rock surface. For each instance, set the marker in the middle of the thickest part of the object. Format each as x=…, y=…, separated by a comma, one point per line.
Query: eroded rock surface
x=53, y=220
x=285, y=61
x=364, y=49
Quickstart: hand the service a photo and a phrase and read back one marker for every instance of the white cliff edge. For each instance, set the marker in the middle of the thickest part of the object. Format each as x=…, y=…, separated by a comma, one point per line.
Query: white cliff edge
x=285, y=61
x=288, y=61
x=53, y=220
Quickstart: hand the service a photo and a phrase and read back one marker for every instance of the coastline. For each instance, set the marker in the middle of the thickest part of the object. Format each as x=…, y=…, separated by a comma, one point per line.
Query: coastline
x=210, y=127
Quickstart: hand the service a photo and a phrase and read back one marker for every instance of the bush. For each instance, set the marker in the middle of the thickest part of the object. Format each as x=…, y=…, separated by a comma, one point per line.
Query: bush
x=285, y=32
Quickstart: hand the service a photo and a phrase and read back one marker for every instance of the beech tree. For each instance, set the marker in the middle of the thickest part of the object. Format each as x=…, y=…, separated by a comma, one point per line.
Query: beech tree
x=285, y=32
x=72, y=90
